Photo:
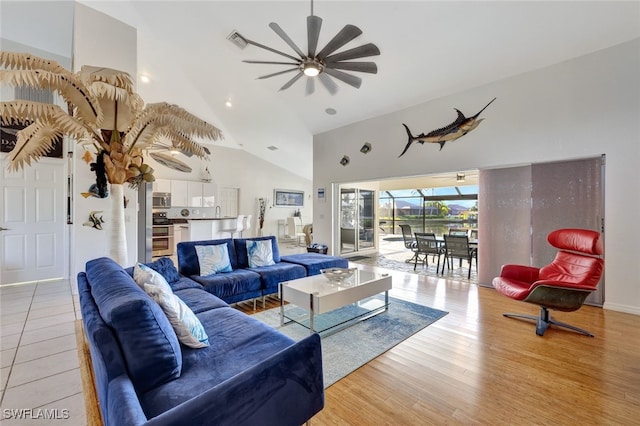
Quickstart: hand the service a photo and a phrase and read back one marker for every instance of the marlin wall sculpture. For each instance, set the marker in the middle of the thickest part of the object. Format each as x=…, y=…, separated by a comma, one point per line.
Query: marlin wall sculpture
x=451, y=132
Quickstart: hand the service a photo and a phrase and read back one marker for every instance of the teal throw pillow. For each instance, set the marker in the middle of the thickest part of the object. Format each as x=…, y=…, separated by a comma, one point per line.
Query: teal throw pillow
x=185, y=323
x=260, y=253
x=213, y=259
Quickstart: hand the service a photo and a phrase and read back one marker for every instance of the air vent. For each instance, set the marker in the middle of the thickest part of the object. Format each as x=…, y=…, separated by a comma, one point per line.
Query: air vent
x=272, y=148
x=237, y=39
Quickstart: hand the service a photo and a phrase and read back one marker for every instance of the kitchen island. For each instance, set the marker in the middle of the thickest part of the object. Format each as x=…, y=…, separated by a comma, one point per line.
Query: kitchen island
x=211, y=228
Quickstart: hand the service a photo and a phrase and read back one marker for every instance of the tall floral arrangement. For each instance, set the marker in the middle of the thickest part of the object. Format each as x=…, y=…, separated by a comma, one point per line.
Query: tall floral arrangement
x=262, y=211
x=106, y=115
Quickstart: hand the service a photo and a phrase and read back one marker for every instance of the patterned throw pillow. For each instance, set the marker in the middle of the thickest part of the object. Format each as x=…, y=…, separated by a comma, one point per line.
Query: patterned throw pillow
x=142, y=275
x=213, y=259
x=186, y=324
x=260, y=253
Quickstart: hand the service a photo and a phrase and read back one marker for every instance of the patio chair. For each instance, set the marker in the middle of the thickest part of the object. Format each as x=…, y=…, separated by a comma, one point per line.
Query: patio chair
x=427, y=244
x=457, y=247
x=409, y=242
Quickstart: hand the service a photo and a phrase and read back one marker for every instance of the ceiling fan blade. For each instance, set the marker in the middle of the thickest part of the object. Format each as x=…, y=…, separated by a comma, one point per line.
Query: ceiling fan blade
x=293, y=80
x=311, y=86
x=270, y=49
x=328, y=83
x=275, y=27
x=271, y=63
x=348, y=33
x=368, y=49
x=278, y=73
x=369, y=67
x=351, y=80
x=314, y=23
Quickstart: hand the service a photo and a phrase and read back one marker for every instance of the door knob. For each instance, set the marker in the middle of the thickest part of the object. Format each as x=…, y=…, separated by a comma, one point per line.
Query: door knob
x=3, y=229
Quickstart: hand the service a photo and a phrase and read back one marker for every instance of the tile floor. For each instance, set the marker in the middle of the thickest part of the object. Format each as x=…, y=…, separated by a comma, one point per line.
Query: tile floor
x=39, y=362
x=38, y=354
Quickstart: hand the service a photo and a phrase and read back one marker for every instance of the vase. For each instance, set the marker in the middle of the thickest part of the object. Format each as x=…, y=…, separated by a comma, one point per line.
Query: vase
x=118, y=238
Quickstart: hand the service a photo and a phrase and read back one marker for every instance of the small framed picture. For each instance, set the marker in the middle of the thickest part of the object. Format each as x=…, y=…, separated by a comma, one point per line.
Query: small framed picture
x=288, y=198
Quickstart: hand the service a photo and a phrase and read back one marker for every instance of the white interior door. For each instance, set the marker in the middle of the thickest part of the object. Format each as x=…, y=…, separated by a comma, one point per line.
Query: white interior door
x=32, y=218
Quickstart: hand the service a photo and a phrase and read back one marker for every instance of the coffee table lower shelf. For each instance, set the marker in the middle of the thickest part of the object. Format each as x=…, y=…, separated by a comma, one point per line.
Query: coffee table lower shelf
x=325, y=325
x=327, y=307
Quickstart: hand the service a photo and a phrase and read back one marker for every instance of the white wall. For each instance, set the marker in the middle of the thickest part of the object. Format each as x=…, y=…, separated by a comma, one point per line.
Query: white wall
x=580, y=108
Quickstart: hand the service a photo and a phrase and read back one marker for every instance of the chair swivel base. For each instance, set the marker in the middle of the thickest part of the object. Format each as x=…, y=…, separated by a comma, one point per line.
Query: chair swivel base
x=544, y=320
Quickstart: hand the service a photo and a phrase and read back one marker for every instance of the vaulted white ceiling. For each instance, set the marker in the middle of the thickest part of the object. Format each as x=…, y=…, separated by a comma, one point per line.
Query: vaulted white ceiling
x=428, y=50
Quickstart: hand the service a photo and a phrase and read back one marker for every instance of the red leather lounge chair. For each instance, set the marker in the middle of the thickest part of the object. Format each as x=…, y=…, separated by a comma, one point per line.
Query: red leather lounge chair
x=562, y=285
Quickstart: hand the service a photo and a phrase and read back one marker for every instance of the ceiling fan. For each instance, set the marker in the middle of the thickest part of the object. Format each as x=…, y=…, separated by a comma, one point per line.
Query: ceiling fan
x=323, y=63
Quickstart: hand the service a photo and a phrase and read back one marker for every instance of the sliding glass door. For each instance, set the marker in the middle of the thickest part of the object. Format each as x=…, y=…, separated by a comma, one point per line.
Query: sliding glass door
x=357, y=219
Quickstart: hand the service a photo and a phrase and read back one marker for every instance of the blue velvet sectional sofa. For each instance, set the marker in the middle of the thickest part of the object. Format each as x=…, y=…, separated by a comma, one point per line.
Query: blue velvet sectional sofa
x=250, y=374
x=243, y=282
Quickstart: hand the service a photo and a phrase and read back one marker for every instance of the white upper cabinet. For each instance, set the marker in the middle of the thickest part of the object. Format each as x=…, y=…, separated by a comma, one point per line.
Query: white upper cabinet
x=186, y=193
x=194, y=194
x=179, y=193
x=209, y=190
x=162, y=185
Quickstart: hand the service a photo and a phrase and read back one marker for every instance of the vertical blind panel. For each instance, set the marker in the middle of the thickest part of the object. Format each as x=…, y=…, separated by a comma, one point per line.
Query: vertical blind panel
x=504, y=220
x=566, y=194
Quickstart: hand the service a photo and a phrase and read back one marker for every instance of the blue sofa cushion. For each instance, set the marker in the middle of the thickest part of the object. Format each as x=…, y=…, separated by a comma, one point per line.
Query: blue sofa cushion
x=184, y=283
x=166, y=268
x=188, y=264
x=241, y=249
x=240, y=343
x=230, y=285
x=314, y=262
x=149, y=345
x=199, y=300
x=273, y=275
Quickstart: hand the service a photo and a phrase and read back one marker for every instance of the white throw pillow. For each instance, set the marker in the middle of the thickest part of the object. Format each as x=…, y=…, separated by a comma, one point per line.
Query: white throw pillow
x=213, y=259
x=186, y=324
x=142, y=275
x=260, y=253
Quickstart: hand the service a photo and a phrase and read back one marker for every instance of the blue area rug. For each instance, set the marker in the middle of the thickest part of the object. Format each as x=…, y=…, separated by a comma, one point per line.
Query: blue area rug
x=351, y=348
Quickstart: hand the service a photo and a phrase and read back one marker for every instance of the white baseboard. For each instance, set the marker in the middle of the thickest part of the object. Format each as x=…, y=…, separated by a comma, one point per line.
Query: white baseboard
x=621, y=308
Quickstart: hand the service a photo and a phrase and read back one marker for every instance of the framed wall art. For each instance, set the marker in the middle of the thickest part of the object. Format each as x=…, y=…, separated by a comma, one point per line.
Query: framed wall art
x=288, y=198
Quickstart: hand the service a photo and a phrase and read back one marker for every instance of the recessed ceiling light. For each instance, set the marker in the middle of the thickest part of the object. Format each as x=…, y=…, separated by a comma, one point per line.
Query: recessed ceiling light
x=272, y=148
x=330, y=111
x=228, y=103
x=145, y=78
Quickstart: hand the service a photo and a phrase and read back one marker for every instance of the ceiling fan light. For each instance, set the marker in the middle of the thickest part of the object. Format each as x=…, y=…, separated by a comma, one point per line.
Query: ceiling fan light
x=311, y=70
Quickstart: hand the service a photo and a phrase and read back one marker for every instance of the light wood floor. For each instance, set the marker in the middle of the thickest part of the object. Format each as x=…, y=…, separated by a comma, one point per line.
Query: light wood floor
x=475, y=366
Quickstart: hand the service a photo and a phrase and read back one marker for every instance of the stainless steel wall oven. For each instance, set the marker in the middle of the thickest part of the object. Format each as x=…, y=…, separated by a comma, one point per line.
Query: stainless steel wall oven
x=162, y=235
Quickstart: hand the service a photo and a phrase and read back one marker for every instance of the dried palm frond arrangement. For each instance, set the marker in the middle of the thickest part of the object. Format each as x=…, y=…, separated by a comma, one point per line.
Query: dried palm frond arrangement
x=104, y=112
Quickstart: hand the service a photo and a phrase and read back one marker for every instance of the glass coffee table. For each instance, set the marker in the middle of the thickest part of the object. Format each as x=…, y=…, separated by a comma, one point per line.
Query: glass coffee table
x=317, y=301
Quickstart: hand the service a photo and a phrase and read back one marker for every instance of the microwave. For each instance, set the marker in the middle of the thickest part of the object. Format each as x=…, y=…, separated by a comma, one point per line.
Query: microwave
x=161, y=200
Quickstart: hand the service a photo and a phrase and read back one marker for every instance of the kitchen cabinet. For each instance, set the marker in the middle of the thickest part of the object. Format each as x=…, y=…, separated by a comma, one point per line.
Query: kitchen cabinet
x=179, y=191
x=194, y=194
x=186, y=193
x=162, y=185
x=209, y=194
